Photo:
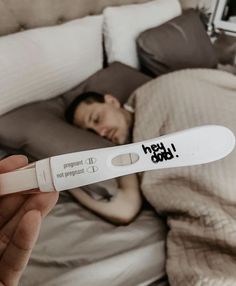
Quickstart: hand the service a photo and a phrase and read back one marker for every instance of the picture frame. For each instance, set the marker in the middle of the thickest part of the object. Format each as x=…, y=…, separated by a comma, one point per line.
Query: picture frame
x=224, y=16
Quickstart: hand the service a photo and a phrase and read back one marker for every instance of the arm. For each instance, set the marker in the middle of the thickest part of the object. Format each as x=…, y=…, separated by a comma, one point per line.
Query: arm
x=123, y=208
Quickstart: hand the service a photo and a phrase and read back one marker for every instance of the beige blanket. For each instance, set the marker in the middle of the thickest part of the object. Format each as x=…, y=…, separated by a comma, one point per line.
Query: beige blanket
x=199, y=201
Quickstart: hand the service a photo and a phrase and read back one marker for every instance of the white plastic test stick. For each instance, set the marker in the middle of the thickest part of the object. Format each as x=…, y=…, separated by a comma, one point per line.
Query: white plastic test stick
x=193, y=146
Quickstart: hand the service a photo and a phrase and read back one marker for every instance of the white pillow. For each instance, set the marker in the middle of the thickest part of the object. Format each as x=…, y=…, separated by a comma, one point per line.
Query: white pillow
x=123, y=24
x=45, y=62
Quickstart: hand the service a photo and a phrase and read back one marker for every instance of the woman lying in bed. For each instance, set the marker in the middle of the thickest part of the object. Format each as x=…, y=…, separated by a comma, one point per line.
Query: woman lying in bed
x=104, y=115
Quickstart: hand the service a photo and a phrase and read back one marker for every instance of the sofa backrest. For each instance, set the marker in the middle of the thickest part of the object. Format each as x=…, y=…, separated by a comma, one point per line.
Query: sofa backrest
x=18, y=15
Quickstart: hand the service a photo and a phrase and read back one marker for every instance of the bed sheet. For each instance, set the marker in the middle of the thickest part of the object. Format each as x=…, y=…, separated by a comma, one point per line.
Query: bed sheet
x=76, y=247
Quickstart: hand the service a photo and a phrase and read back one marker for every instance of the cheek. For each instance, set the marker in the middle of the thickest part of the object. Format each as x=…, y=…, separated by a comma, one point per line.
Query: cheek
x=123, y=127
x=112, y=119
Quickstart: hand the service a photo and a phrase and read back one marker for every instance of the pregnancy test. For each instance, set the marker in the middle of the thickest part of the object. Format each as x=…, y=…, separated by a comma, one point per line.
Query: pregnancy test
x=189, y=147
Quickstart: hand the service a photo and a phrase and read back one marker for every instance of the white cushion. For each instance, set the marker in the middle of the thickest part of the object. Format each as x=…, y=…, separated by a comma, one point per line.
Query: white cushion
x=123, y=24
x=45, y=62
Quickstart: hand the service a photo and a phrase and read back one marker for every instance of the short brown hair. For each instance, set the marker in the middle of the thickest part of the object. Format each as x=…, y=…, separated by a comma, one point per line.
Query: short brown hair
x=88, y=97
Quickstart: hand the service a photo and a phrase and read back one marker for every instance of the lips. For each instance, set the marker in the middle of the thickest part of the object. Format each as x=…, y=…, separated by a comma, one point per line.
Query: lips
x=111, y=134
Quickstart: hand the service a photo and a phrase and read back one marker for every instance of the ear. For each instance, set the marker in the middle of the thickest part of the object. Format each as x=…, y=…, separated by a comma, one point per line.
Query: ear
x=110, y=99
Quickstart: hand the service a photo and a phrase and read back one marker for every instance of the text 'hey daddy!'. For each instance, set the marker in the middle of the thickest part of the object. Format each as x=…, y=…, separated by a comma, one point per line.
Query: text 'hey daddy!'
x=159, y=152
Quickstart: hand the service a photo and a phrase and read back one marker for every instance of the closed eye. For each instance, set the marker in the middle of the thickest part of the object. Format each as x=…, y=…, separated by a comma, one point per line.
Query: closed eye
x=96, y=119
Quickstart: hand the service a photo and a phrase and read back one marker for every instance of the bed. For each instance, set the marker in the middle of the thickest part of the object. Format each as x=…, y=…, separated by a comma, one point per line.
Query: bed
x=43, y=72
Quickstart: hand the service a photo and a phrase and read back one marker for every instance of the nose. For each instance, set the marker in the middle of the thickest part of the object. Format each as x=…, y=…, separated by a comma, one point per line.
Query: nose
x=102, y=130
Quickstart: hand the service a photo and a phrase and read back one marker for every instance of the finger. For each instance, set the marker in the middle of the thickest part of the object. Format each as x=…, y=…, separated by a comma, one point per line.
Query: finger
x=40, y=202
x=17, y=253
x=13, y=162
x=9, y=205
x=43, y=202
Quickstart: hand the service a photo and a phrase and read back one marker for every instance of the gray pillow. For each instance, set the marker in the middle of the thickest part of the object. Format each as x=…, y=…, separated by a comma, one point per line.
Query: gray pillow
x=40, y=130
x=178, y=44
